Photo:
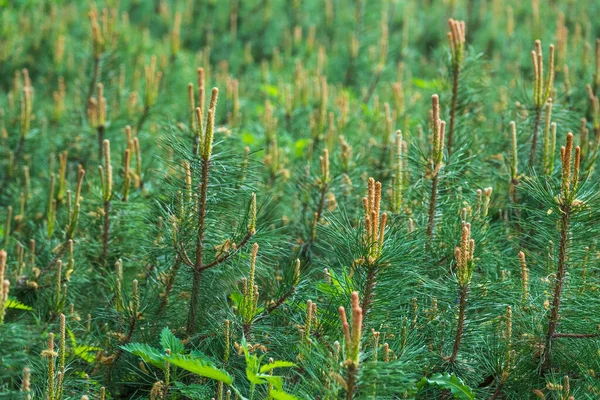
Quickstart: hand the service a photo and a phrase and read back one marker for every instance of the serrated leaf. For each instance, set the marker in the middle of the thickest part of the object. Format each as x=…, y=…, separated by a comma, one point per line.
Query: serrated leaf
x=147, y=353
x=16, y=305
x=274, y=380
x=276, y=364
x=451, y=382
x=200, y=367
x=86, y=353
x=170, y=341
x=281, y=395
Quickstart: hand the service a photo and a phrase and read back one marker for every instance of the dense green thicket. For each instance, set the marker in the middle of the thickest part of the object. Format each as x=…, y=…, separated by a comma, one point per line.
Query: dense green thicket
x=378, y=199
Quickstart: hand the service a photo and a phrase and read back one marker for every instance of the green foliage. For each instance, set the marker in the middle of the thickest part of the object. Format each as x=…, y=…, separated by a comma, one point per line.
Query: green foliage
x=16, y=305
x=132, y=198
x=449, y=382
x=199, y=367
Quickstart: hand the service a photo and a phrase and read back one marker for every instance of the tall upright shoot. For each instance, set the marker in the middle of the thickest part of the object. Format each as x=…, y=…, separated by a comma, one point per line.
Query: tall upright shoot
x=438, y=130
x=456, y=37
x=463, y=255
x=567, y=205
x=542, y=89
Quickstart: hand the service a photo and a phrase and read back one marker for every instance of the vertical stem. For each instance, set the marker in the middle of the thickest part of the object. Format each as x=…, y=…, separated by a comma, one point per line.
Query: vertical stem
x=453, y=109
x=106, y=230
x=432, y=203
x=463, y=291
x=351, y=382
x=368, y=294
x=192, y=315
x=560, y=275
x=536, y=127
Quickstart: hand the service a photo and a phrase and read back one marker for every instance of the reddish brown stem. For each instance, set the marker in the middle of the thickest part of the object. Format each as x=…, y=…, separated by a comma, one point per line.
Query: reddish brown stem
x=462, y=306
x=546, y=361
x=197, y=268
x=351, y=381
x=369, y=287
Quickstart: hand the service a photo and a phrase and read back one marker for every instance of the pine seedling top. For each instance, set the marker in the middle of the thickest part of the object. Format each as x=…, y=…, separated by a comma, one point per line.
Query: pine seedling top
x=374, y=221
x=463, y=255
x=456, y=38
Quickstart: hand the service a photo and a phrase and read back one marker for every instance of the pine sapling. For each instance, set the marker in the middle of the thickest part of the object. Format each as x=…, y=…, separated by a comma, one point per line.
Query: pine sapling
x=437, y=153
x=96, y=113
x=51, y=208
x=383, y=54
x=524, y=279
x=5, y=286
x=548, y=128
x=126, y=175
x=323, y=183
x=103, y=37
x=248, y=307
x=51, y=355
x=541, y=92
x=398, y=177
x=457, y=40
x=352, y=339
x=465, y=263
x=107, y=182
x=73, y=217
x=373, y=239
x=198, y=263
x=25, y=118
x=152, y=80
x=568, y=205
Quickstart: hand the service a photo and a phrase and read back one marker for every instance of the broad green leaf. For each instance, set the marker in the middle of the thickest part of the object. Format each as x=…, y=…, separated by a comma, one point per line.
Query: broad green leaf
x=87, y=353
x=451, y=382
x=17, y=305
x=276, y=364
x=254, y=378
x=274, y=380
x=281, y=395
x=200, y=367
x=170, y=341
x=147, y=353
x=237, y=298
